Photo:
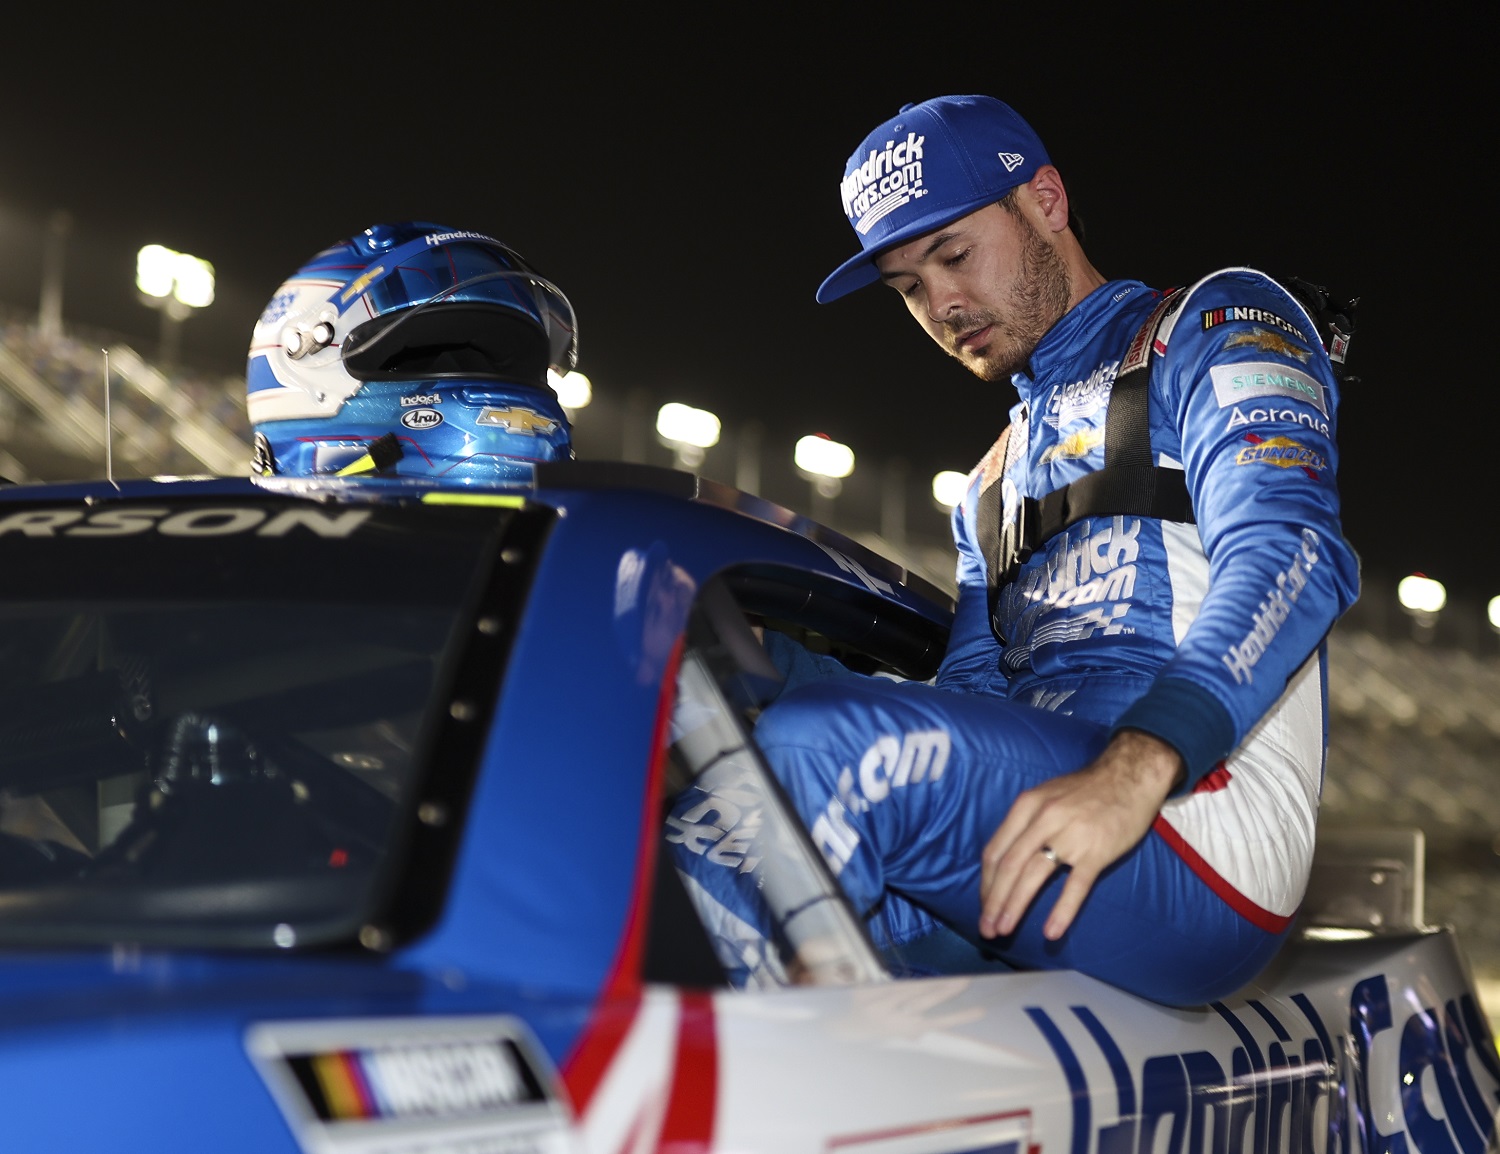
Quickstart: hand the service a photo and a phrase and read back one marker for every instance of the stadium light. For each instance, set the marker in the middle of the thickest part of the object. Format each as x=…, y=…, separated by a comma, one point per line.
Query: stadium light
x=173, y=283
x=573, y=389
x=948, y=487
x=822, y=456
x=1494, y=613
x=824, y=463
x=1421, y=594
x=161, y=273
x=687, y=432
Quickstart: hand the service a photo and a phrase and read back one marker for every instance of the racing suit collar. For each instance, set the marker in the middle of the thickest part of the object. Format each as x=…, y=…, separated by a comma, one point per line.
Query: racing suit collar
x=1077, y=327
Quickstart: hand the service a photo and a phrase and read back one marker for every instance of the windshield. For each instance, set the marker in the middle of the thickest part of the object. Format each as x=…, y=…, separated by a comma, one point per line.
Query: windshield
x=210, y=723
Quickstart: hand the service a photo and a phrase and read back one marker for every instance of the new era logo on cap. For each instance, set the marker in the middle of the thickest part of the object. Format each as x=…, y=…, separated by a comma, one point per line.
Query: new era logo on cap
x=925, y=167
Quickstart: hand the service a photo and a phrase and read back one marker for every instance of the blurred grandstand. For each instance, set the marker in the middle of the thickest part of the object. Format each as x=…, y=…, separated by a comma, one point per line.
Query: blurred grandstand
x=53, y=397
x=1415, y=700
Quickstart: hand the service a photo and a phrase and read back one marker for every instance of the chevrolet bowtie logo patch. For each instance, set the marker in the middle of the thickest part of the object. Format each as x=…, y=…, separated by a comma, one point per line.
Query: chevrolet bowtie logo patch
x=361, y=282
x=1267, y=342
x=518, y=420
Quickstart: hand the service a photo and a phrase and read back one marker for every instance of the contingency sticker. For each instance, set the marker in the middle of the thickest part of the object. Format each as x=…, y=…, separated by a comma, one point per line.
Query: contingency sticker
x=456, y=1085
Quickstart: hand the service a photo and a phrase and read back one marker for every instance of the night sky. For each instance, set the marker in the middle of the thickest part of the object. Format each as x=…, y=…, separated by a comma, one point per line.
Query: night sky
x=677, y=175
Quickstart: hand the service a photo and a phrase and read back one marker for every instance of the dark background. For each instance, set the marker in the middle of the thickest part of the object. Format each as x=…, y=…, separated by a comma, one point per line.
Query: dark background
x=676, y=173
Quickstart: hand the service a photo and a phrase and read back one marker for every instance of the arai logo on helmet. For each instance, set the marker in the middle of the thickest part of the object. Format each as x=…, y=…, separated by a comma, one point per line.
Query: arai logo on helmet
x=421, y=418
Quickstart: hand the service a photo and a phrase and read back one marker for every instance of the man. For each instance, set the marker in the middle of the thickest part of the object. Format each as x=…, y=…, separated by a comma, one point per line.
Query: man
x=1118, y=767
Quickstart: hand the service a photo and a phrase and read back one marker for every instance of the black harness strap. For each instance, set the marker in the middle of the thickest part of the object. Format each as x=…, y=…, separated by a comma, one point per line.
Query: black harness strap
x=1129, y=484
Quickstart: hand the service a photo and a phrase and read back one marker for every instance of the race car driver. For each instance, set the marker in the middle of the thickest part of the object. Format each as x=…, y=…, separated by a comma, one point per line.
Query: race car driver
x=1118, y=767
x=411, y=350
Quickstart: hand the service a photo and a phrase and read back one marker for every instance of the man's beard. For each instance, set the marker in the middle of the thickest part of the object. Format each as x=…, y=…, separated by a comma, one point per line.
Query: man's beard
x=1039, y=297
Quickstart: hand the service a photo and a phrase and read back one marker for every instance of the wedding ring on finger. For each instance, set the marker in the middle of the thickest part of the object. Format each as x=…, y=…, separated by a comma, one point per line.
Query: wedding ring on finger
x=1050, y=854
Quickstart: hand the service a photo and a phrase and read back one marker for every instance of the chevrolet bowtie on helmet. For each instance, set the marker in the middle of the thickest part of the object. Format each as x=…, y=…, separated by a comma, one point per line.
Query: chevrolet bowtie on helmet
x=411, y=350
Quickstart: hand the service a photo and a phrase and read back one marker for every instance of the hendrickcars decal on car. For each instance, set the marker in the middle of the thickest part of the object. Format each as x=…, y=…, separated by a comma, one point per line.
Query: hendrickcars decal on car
x=1292, y=1086
x=208, y=521
x=438, y=1085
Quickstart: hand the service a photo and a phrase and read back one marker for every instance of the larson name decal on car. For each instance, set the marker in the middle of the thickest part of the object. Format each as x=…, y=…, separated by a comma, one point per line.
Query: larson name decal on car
x=216, y=521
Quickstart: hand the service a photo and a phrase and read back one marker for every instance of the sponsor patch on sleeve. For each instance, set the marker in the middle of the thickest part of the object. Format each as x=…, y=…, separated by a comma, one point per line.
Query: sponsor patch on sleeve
x=1235, y=383
x=439, y=1085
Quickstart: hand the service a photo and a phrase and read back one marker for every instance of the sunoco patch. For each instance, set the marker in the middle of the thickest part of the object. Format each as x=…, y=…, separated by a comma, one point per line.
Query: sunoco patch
x=439, y=1085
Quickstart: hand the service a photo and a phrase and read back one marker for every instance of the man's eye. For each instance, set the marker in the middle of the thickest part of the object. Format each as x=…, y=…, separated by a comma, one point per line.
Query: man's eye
x=910, y=290
x=957, y=258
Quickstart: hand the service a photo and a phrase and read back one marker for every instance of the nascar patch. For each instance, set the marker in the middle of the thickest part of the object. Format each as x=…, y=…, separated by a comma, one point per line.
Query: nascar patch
x=1212, y=318
x=438, y=1085
x=1236, y=383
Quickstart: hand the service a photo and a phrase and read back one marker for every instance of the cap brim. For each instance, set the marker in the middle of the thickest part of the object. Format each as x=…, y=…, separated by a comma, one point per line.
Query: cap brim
x=859, y=270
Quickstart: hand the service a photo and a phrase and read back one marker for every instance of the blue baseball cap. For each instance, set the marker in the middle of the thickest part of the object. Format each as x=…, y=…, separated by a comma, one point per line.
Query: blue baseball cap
x=925, y=167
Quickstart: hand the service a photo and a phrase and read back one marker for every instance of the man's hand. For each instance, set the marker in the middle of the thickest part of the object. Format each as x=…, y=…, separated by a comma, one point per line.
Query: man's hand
x=1087, y=819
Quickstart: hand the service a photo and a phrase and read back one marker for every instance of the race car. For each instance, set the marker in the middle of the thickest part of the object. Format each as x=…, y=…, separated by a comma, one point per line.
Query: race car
x=386, y=816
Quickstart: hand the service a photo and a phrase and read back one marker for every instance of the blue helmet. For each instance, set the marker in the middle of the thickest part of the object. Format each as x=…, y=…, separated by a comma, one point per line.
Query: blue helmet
x=411, y=349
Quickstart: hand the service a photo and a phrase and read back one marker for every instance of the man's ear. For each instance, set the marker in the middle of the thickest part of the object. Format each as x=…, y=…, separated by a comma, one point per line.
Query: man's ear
x=1050, y=196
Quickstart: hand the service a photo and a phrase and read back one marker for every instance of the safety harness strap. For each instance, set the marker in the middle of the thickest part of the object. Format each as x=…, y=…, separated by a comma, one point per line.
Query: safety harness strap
x=1129, y=484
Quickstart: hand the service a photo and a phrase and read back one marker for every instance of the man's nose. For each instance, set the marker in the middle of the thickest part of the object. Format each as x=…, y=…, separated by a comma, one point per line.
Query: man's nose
x=944, y=300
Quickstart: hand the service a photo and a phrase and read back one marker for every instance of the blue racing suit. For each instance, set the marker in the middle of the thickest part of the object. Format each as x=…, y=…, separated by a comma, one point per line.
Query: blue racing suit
x=1209, y=635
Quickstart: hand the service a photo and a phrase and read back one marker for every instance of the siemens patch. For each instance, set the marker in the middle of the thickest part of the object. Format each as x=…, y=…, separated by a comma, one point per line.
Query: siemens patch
x=1236, y=383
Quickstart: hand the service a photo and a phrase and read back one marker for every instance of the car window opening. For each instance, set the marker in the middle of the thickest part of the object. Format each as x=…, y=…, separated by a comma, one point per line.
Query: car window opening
x=773, y=913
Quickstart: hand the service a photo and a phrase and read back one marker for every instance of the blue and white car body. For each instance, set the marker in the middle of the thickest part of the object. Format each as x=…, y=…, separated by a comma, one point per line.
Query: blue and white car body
x=340, y=817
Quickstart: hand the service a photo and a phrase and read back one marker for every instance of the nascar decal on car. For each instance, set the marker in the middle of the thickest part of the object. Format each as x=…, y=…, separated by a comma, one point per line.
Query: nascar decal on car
x=1286, y=1080
x=1283, y=453
x=1240, y=382
x=439, y=1085
x=204, y=521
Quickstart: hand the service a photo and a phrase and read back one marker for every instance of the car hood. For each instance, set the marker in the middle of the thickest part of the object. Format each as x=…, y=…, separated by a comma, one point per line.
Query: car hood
x=127, y=1050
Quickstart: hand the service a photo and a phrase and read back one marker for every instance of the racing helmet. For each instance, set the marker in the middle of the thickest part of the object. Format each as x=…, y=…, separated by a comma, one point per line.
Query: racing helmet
x=411, y=350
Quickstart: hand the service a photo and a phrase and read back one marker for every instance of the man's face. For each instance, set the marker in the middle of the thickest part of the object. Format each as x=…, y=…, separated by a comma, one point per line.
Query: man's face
x=985, y=287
